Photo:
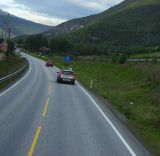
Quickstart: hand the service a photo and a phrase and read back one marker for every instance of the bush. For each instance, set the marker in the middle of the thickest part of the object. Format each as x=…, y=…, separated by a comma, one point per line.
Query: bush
x=154, y=60
x=11, y=47
x=122, y=59
x=114, y=59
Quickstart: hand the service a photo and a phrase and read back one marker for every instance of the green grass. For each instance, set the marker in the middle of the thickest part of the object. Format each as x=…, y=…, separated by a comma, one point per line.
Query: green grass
x=9, y=65
x=123, y=85
x=146, y=55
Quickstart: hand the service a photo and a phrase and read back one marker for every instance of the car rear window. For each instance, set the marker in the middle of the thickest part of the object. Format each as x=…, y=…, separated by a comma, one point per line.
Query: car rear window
x=49, y=61
x=67, y=72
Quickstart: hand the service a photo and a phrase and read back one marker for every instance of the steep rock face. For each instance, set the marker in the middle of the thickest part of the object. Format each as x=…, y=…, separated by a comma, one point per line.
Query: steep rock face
x=73, y=25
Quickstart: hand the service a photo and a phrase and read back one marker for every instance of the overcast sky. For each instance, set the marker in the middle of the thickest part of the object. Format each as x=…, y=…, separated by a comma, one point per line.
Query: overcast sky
x=54, y=12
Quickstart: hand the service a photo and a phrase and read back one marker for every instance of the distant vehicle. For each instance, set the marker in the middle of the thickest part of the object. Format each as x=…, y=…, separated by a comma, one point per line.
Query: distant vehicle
x=66, y=75
x=49, y=63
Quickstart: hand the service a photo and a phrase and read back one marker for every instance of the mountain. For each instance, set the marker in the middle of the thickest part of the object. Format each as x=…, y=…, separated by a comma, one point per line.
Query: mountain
x=73, y=25
x=20, y=26
x=133, y=25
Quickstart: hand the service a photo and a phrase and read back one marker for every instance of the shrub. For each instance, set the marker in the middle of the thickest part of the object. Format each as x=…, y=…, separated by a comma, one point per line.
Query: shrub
x=122, y=59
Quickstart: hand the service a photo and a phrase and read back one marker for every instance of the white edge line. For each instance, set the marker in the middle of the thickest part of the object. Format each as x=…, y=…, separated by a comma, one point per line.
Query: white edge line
x=18, y=81
x=110, y=123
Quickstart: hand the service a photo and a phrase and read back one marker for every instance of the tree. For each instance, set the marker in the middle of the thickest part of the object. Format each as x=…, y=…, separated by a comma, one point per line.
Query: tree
x=1, y=40
x=123, y=59
x=11, y=47
x=20, y=41
x=34, y=42
x=60, y=45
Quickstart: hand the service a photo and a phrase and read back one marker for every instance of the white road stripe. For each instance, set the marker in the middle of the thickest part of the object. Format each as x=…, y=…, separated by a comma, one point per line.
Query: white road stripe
x=18, y=81
x=108, y=120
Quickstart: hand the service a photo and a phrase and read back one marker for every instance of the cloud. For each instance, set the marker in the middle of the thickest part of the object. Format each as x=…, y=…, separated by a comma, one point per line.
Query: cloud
x=99, y=5
x=36, y=16
x=62, y=8
x=23, y=11
x=55, y=12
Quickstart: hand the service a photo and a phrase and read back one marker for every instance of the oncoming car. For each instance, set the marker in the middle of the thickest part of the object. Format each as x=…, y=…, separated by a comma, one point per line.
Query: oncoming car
x=49, y=63
x=66, y=75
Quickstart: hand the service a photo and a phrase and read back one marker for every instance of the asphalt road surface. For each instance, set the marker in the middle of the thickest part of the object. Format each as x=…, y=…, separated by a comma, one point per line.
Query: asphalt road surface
x=42, y=118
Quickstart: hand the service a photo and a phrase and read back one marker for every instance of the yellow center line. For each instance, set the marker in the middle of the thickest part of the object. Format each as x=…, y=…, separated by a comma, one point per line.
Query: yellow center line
x=45, y=108
x=49, y=76
x=35, y=140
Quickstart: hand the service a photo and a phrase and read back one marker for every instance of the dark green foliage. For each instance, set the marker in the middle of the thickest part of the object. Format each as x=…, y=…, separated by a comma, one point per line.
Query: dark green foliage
x=35, y=42
x=20, y=41
x=158, y=49
x=60, y=45
x=122, y=59
x=11, y=47
x=114, y=59
x=1, y=40
x=154, y=61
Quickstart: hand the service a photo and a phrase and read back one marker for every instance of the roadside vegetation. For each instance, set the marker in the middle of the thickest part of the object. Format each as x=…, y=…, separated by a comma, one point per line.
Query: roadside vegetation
x=9, y=64
x=132, y=88
x=147, y=55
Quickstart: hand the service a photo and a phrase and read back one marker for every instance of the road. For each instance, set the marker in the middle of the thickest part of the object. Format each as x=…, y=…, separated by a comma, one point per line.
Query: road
x=42, y=118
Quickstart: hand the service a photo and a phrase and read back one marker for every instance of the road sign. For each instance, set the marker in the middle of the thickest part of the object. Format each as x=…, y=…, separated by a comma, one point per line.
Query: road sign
x=68, y=59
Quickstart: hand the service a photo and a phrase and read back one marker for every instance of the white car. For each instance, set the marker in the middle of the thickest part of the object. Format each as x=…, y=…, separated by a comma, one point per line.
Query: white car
x=66, y=75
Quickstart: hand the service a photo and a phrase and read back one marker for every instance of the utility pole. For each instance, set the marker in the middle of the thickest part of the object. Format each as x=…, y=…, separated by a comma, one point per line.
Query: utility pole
x=7, y=29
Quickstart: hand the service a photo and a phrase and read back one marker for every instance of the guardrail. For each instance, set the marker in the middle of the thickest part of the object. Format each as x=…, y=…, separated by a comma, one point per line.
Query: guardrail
x=141, y=60
x=20, y=71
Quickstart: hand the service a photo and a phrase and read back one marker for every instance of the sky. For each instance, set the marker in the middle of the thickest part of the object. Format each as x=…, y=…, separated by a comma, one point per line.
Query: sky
x=54, y=12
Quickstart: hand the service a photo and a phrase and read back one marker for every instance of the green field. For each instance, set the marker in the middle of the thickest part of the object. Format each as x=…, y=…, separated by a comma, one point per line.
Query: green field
x=133, y=89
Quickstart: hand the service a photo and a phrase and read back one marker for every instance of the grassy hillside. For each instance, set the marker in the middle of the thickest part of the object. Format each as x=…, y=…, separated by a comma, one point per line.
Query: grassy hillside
x=130, y=26
x=132, y=89
x=73, y=25
x=80, y=23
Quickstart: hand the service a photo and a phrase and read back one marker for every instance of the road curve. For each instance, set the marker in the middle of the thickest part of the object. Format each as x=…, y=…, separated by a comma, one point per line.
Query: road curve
x=42, y=118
